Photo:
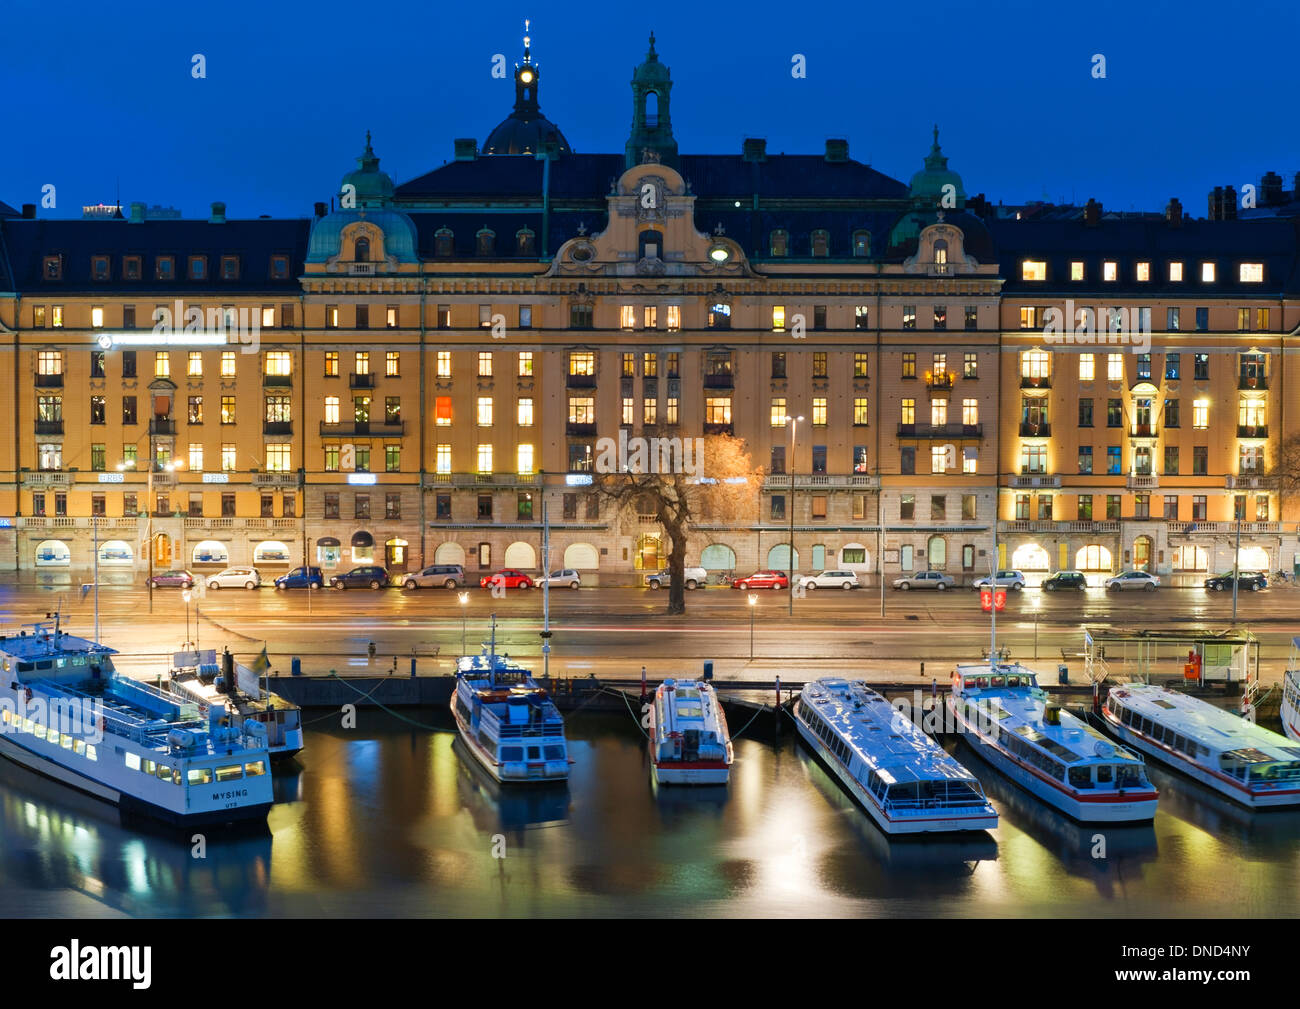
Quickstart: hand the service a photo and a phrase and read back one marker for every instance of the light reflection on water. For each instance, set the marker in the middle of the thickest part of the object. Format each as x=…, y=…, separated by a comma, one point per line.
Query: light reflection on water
x=391, y=820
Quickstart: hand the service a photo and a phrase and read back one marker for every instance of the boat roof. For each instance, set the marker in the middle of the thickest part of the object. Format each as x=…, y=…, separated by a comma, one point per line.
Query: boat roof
x=1022, y=709
x=1217, y=728
x=694, y=703
x=887, y=740
x=47, y=642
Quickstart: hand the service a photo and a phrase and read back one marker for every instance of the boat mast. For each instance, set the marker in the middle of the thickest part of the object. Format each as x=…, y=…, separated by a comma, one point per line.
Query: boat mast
x=492, y=646
x=993, y=602
x=546, y=593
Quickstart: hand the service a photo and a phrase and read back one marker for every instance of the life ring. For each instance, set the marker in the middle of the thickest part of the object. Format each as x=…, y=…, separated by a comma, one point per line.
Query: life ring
x=28, y=692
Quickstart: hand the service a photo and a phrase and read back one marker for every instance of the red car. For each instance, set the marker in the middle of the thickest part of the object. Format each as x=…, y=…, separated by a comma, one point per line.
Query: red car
x=762, y=580
x=508, y=577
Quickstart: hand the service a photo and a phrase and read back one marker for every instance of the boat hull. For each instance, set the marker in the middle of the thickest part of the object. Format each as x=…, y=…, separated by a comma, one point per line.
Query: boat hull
x=548, y=774
x=943, y=824
x=1290, y=719
x=127, y=803
x=1119, y=809
x=680, y=772
x=1222, y=784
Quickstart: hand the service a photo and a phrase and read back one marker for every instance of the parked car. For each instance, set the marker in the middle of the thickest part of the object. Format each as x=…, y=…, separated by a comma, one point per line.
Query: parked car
x=439, y=576
x=829, y=580
x=1126, y=580
x=368, y=575
x=235, y=578
x=763, y=580
x=171, y=579
x=566, y=578
x=1065, y=580
x=511, y=578
x=692, y=577
x=1009, y=579
x=1252, y=581
x=925, y=580
x=300, y=578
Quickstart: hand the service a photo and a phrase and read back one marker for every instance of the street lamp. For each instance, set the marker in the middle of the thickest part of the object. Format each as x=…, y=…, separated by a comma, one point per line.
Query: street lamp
x=463, y=597
x=185, y=594
x=794, y=427
x=753, y=606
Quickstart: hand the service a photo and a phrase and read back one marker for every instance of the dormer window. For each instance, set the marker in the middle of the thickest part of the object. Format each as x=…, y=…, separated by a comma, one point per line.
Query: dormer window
x=361, y=250
x=486, y=242
x=443, y=243
x=780, y=240
x=279, y=267
x=165, y=268
x=99, y=267
x=1076, y=269
x=1176, y=272
x=821, y=243
x=940, y=252
x=525, y=243
x=1033, y=269
x=862, y=243
x=198, y=268
x=1110, y=271
x=229, y=267
x=131, y=267
x=1251, y=273
x=1207, y=273
x=1143, y=272
x=52, y=268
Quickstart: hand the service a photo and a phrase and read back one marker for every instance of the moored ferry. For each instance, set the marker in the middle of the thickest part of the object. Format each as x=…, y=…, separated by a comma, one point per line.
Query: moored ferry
x=67, y=713
x=899, y=775
x=507, y=720
x=690, y=743
x=1290, y=704
x=1046, y=750
x=1246, y=762
x=197, y=676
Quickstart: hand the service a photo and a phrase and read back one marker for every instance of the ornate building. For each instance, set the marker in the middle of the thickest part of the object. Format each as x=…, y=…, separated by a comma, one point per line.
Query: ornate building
x=434, y=361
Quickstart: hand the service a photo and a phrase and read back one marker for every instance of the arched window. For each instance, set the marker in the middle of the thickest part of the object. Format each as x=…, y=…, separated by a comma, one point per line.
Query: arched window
x=936, y=553
x=720, y=316
x=361, y=250
x=486, y=242
x=651, y=243
x=652, y=108
x=780, y=241
x=821, y=243
x=862, y=243
x=525, y=243
x=443, y=242
x=940, y=252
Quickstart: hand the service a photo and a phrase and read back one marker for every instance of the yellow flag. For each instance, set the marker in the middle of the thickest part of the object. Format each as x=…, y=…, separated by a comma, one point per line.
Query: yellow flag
x=261, y=664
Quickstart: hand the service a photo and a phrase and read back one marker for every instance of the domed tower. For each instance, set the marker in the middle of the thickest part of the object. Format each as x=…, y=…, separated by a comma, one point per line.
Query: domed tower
x=371, y=187
x=652, y=125
x=928, y=184
x=526, y=130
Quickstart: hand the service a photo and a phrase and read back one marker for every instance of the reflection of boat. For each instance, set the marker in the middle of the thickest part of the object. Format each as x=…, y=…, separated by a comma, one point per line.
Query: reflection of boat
x=1052, y=753
x=68, y=714
x=903, y=778
x=1246, y=762
x=1078, y=845
x=196, y=676
x=89, y=847
x=1209, y=810
x=495, y=807
x=690, y=743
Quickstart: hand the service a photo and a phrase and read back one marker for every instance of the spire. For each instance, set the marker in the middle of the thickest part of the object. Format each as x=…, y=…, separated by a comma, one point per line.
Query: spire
x=652, y=128
x=367, y=161
x=527, y=42
x=652, y=55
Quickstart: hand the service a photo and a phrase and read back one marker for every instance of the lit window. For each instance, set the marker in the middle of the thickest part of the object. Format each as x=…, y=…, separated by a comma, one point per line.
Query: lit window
x=939, y=412
x=1109, y=270
x=524, y=458
x=627, y=316
x=650, y=316
x=970, y=412
x=485, y=411
x=1251, y=273
x=278, y=362
x=582, y=362
x=444, y=364
x=1076, y=270
x=1033, y=269
x=277, y=458
x=1176, y=272
x=485, y=364
x=1114, y=367
x=331, y=363
x=861, y=414
x=938, y=459
x=228, y=455
x=1207, y=273
x=268, y=317
x=1143, y=272
x=629, y=411
x=162, y=364
x=778, y=412
x=442, y=411
x=674, y=318
x=443, y=459
x=196, y=458
x=525, y=364
x=525, y=413
x=362, y=362
x=485, y=458
x=1028, y=317
x=392, y=364
x=1087, y=367
x=194, y=364
x=1035, y=364
x=907, y=411
x=1201, y=414
x=778, y=317
x=97, y=317
x=227, y=364
x=970, y=460
x=819, y=411
x=331, y=409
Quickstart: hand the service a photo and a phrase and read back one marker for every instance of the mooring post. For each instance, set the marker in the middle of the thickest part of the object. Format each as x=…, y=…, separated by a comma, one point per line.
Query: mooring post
x=643, y=684
x=778, y=703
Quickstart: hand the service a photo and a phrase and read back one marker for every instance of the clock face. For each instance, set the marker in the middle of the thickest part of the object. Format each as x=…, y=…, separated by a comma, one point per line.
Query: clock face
x=526, y=76
x=719, y=254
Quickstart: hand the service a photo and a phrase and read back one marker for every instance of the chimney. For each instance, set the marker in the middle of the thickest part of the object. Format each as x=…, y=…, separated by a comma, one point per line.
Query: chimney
x=320, y=210
x=837, y=149
x=1092, y=213
x=466, y=148
x=1270, y=189
x=979, y=206
x=218, y=214
x=29, y=211
x=1229, y=205
x=754, y=149
x=137, y=213
x=1216, y=204
x=1174, y=213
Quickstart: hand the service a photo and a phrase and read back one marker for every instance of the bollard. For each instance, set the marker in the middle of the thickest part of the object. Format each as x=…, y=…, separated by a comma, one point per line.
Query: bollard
x=776, y=714
x=295, y=666
x=412, y=666
x=922, y=668
x=643, y=683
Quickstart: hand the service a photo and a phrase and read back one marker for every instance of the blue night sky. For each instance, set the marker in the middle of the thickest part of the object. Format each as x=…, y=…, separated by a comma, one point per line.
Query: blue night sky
x=1194, y=96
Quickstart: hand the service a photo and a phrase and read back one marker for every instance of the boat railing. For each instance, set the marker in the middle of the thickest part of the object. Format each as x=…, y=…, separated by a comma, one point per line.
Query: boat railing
x=903, y=805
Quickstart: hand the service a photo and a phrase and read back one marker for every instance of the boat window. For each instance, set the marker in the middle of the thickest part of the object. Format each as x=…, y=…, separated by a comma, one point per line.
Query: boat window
x=1105, y=773
x=510, y=753
x=148, y=766
x=91, y=752
x=553, y=752
x=65, y=741
x=230, y=773
x=255, y=769
x=969, y=682
x=176, y=775
x=998, y=681
x=1081, y=777
x=1128, y=775
x=164, y=772
x=984, y=681
x=4, y=716
x=199, y=775
x=1013, y=681
x=534, y=753
x=133, y=761
x=78, y=746
x=40, y=731
x=1146, y=726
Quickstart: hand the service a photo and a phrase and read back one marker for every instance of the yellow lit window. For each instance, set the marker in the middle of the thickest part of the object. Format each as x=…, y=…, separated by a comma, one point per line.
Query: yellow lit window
x=1035, y=364
x=1252, y=413
x=56, y=316
x=194, y=363
x=627, y=316
x=525, y=364
x=196, y=457
x=49, y=362
x=442, y=411
x=1076, y=270
x=331, y=363
x=1087, y=367
x=582, y=410
x=778, y=412
x=970, y=460
x=970, y=412
x=938, y=459
x=485, y=458
x=277, y=458
x=674, y=318
x=1201, y=414
x=582, y=362
x=861, y=411
x=938, y=412
x=1251, y=273
x=1207, y=273
x=650, y=365
x=227, y=364
x=485, y=364
x=97, y=317
x=1033, y=269
x=650, y=316
x=778, y=317
x=1143, y=272
x=909, y=411
x=278, y=362
x=485, y=411
x=1109, y=270
x=162, y=364
x=1028, y=317
x=331, y=409
x=717, y=410
x=1114, y=367
x=362, y=362
x=442, y=459
x=392, y=364
x=629, y=410
x=444, y=364
x=819, y=411
x=524, y=458
x=1176, y=272
x=268, y=317
x=525, y=413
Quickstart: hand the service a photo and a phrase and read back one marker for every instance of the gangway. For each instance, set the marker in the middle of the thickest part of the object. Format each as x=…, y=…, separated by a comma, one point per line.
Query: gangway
x=1198, y=656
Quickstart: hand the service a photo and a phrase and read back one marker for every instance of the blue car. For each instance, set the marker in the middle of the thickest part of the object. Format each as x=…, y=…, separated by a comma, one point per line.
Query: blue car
x=300, y=578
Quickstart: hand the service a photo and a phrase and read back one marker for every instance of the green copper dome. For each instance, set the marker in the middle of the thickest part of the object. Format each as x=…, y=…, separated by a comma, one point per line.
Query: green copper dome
x=373, y=187
x=928, y=184
x=327, y=234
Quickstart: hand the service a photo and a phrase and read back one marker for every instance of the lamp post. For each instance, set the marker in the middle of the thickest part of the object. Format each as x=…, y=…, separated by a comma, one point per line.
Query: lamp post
x=753, y=605
x=185, y=594
x=463, y=598
x=794, y=427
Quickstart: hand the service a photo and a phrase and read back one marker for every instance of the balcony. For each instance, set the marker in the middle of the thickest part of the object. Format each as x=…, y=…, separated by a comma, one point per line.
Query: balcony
x=1246, y=382
x=1225, y=528
x=1036, y=480
x=367, y=428
x=277, y=427
x=576, y=429
x=941, y=430
x=939, y=383
x=49, y=381
x=366, y=381
x=1035, y=381
x=1252, y=430
x=1142, y=481
x=1041, y=430
x=581, y=381
x=725, y=380
x=162, y=426
x=482, y=480
x=276, y=478
x=727, y=429
x=822, y=481
x=1245, y=481
x=277, y=381
x=1054, y=526
x=1143, y=431
x=49, y=427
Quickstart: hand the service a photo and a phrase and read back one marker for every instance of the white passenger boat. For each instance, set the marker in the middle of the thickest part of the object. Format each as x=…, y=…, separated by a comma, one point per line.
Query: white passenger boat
x=507, y=720
x=690, y=743
x=1246, y=762
x=68, y=714
x=1051, y=753
x=902, y=777
x=1290, y=709
x=197, y=676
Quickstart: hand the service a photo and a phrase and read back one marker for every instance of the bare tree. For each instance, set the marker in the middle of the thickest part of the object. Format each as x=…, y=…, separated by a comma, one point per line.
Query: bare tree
x=681, y=482
x=1284, y=477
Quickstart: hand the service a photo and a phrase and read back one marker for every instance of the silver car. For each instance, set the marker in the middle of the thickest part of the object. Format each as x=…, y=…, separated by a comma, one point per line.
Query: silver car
x=564, y=579
x=925, y=580
x=829, y=580
x=1126, y=580
x=1010, y=579
x=234, y=578
x=436, y=576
